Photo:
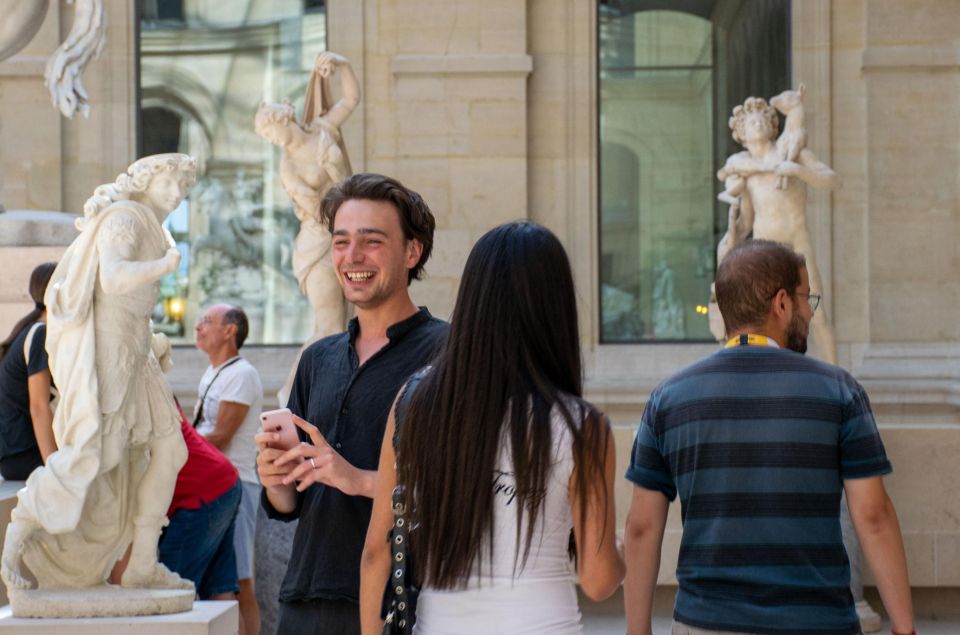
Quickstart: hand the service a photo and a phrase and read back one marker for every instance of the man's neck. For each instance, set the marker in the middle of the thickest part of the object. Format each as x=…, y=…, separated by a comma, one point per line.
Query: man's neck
x=221, y=355
x=374, y=322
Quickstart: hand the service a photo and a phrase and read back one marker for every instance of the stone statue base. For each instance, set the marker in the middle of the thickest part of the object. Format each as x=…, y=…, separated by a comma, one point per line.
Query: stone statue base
x=103, y=601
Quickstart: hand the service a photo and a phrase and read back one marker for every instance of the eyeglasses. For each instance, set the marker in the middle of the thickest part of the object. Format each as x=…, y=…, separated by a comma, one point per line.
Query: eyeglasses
x=813, y=299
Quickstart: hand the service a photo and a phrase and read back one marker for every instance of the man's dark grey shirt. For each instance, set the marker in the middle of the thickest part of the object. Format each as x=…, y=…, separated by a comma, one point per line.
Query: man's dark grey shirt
x=349, y=403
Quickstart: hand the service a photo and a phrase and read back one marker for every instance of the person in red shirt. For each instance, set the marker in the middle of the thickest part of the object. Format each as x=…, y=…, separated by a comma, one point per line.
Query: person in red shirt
x=198, y=542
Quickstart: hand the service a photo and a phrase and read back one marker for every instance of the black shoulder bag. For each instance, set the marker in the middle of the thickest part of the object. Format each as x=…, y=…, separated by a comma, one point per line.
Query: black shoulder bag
x=399, y=610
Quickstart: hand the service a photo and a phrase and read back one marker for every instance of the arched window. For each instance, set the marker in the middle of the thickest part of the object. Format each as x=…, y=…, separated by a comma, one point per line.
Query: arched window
x=670, y=72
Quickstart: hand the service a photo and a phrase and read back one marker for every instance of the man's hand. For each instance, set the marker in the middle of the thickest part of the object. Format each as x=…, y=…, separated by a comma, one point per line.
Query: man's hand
x=281, y=496
x=320, y=463
x=271, y=474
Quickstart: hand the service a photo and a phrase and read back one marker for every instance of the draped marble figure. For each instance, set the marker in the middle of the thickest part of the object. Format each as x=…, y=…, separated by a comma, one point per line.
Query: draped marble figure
x=314, y=158
x=117, y=427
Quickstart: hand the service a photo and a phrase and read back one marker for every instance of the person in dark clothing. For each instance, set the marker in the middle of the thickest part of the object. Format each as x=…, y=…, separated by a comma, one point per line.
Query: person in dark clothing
x=342, y=393
x=26, y=416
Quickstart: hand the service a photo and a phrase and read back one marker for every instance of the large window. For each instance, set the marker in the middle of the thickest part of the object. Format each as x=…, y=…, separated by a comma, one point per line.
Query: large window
x=670, y=72
x=204, y=67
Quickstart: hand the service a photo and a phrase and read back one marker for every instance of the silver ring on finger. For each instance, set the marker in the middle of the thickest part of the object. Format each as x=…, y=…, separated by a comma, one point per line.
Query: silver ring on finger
x=312, y=463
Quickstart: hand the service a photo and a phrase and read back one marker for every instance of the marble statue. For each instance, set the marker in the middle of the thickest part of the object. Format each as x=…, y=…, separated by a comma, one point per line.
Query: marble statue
x=110, y=483
x=21, y=21
x=63, y=74
x=314, y=158
x=667, y=309
x=766, y=187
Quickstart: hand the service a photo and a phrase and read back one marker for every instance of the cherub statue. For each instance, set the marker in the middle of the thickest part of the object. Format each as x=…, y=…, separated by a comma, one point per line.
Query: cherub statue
x=117, y=427
x=314, y=158
x=767, y=191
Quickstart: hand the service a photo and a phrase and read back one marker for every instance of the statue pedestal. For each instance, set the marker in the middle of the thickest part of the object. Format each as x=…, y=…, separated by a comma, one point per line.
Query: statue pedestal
x=101, y=601
x=213, y=618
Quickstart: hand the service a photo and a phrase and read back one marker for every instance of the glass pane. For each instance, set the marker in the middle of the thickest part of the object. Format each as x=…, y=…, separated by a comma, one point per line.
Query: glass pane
x=654, y=38
x=657, y=189
x=204, y=67
x=670, y=74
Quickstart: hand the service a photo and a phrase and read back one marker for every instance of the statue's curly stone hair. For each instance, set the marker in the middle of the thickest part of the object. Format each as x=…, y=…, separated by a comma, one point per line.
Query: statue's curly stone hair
x=269, y=114
x=753, y=104
x=137, y=178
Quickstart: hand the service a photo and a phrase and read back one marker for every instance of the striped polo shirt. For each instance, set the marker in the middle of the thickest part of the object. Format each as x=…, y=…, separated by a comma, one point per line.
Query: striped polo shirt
x=757, y=442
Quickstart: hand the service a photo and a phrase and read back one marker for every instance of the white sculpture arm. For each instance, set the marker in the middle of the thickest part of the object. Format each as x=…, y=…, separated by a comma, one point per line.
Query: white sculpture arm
x=349, y=86
x=743, y=165
x=86, y=40
x=811, y=170
x=118, y=272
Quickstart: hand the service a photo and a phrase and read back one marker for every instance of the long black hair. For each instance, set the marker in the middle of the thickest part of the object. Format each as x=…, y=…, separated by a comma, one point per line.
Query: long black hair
x=512, y=356
x=38, y=286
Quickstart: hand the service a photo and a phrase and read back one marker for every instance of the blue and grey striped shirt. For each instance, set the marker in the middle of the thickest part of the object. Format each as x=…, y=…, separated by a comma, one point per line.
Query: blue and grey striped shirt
x=757, y=442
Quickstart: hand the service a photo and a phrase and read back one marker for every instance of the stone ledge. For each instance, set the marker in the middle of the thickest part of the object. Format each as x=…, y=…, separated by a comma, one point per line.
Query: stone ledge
x=918, y=374
x=461, y=65
x=272, y=362
x=35, y=228
x=910, y=58
x=24, y=66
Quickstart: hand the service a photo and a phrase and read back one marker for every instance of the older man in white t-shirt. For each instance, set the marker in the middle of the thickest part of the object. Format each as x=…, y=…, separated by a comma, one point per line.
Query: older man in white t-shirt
x=230, y=400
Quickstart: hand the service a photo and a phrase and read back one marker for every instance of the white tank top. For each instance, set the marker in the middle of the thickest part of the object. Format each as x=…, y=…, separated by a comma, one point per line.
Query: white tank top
x=540, y=597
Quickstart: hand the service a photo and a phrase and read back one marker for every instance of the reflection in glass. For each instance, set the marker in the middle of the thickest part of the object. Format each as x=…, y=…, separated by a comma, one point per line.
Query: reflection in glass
x=204, y=67
x=666, y=80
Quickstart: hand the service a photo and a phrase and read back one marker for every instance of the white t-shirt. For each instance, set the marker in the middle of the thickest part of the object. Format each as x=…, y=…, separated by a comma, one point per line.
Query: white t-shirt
x=541, y=597
x=239, y=383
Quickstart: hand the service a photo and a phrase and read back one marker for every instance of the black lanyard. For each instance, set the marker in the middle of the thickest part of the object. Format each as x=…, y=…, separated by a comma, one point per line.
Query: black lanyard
x=199, y=415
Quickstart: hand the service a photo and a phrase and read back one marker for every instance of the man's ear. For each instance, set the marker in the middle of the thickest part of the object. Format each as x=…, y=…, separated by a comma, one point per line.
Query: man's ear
x=414, y=251
x=778, y=306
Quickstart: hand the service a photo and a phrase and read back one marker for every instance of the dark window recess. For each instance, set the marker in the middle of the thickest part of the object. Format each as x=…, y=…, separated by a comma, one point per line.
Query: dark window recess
x=161, y=131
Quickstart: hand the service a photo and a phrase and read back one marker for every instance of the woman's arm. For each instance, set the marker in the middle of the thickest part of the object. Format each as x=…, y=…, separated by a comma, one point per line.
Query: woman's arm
x=375, y=562
x=599, y=562
x=38, y=388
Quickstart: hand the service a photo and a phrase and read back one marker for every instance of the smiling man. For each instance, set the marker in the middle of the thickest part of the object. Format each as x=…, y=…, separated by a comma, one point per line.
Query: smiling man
x=342, y=393
x=759, y=442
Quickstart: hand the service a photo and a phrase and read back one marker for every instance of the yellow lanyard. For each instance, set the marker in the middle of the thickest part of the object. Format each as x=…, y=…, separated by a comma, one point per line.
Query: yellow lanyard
x=749, y=339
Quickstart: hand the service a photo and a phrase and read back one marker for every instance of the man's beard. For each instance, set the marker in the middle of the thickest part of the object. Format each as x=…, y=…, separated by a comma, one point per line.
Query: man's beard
x=796, y=336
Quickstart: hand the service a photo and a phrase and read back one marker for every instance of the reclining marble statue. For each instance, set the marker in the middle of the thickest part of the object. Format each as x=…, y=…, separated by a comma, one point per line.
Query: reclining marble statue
x=117, y=426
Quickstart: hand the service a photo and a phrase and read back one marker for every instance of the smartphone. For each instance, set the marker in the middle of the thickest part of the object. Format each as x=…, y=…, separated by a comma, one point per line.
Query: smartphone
x=280, y=421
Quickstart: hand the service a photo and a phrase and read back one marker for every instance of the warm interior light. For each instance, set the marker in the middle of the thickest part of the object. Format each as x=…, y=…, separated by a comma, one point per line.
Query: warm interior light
x=176, y=307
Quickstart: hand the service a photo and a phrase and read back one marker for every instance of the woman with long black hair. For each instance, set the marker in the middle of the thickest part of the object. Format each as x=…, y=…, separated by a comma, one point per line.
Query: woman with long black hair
x=26, y=417
x=500, y=457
